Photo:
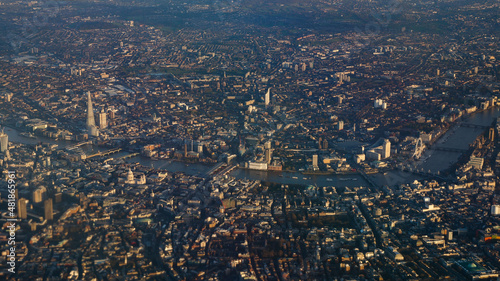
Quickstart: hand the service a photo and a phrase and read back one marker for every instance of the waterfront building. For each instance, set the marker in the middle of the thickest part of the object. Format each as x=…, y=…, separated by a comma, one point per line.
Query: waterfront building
x=4, y=142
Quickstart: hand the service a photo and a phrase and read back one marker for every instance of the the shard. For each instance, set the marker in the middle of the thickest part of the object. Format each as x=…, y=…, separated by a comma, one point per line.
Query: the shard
x=91, y=127
x=90, y=113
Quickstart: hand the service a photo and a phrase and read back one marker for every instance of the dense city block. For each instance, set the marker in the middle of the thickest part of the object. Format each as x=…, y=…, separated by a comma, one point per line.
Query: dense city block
x=249, y=140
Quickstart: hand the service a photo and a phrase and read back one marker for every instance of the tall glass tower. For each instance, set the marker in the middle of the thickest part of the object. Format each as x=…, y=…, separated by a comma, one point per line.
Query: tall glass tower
x=91, y=127
x=90, y=113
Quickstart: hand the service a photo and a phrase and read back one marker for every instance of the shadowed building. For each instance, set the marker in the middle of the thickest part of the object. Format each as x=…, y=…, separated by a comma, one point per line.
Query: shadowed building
x=49, y=211
x=22, y=211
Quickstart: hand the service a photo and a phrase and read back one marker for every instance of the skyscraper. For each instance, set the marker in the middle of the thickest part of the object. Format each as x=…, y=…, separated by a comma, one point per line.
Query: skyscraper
x=22, y=211
x=4, y=141
x=49, y=212
x=268, y=156
x=91, y=127
x=102, y=120
x=90, y=112
x=386, y=149
x=315, y=161
x=38, y=194
x=267, y=97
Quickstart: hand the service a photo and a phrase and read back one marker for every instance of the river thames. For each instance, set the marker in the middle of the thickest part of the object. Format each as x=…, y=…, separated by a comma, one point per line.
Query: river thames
x=458, y=137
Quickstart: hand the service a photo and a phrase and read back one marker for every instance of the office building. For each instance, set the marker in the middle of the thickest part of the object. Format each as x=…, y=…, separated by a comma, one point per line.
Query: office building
x=268, y=155
x=340, y=125
x=38, y=194
x=267, y=145
x=4, y=142
x=380, y=150
x=102, y=120
x=379, y=103
x=49, y=212
x=267, y=97
x=386, y=149
x=495, y=210
x=22, y=210
x=476, y=162
x=257, y=166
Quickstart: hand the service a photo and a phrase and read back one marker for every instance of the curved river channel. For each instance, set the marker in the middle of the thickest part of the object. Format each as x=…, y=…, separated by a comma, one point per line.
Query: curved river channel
x=458, y=137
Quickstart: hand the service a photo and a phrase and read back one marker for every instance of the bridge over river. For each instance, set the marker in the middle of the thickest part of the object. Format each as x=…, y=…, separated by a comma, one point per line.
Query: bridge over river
x=457, y=141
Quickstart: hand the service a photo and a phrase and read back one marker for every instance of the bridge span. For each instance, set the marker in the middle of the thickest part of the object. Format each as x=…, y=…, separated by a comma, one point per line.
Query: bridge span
x=104, y=153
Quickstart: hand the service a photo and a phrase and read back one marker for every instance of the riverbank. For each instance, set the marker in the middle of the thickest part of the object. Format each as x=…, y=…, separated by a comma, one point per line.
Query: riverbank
x=461, y=138
x=450, y=147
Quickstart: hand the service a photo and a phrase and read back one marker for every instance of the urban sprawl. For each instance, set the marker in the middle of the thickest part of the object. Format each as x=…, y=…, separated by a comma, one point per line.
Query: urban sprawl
x=312, y=140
